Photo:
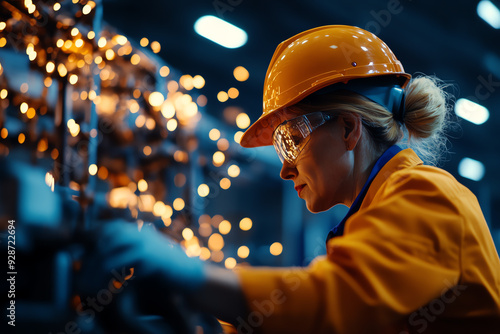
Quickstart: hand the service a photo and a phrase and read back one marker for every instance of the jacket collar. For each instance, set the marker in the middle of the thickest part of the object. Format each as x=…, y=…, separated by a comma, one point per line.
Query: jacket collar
x=404, y=159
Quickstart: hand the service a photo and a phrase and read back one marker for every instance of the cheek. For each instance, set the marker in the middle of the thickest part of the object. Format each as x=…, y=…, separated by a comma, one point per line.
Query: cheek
x=333, y=168
x=328, y=176
x=338, y=170
x=329, y=157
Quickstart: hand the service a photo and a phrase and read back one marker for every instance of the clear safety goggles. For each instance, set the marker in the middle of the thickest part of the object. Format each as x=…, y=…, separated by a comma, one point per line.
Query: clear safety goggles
x=290, y=137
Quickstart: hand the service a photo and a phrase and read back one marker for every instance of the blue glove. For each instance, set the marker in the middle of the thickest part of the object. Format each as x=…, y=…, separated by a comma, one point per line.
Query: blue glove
x=151, y=254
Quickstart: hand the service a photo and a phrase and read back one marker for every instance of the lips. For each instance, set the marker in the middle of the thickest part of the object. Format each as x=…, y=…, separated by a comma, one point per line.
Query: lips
x=299, y=188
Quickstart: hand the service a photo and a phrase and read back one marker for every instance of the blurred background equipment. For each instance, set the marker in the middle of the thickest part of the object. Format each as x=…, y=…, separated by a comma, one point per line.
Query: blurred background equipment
x=134, y=110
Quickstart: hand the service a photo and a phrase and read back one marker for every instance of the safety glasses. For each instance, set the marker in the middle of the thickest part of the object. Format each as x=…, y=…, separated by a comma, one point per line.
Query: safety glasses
x=290, y=137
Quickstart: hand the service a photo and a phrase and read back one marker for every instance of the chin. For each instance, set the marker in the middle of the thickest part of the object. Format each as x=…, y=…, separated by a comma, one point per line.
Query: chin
x=316, y=208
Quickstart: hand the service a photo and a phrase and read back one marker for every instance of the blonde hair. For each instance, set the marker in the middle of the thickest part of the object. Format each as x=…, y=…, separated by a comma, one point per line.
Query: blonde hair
x=423, y=127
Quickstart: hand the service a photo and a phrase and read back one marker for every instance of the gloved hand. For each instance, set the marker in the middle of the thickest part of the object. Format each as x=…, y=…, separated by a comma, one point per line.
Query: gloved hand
x=151, y=254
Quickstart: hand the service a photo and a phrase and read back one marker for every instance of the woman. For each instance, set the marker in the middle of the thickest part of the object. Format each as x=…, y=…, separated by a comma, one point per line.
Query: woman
x=413, y=254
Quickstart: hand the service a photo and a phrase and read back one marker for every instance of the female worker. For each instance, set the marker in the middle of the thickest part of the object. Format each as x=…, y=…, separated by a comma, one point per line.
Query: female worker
x=413, y=254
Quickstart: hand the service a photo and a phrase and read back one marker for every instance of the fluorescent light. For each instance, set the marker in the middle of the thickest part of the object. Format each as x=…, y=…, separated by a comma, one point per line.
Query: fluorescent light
x=489, y=12
x=471, y=169
x=471, y=111
x=220, y=32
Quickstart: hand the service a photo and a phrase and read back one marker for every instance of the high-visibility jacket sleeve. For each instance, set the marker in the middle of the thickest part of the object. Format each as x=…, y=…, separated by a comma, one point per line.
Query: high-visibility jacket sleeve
x=398, y=253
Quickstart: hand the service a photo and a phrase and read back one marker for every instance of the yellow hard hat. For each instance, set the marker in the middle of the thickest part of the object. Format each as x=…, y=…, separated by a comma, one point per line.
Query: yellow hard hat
x=312, y=60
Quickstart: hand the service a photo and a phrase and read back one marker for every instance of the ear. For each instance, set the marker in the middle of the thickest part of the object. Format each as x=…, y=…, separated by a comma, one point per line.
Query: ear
x=351, y=129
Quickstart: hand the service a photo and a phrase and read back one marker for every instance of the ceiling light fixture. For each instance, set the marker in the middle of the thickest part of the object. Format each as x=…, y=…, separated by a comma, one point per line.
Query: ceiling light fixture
x=471, y=169
x=489, y=12
x=471, y=111
x=220, y=32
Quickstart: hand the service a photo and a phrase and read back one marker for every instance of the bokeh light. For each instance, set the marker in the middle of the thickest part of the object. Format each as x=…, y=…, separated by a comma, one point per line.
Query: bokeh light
x=240, y=73
x=178, y=204
x=243, y=252
x=142, y=185
x=230, y=263
x=233, y=171
x=276, y=249
x=215, y=242
x=224, y=227
x=214, y=134
x=242, y=121
x=245, y=224
x=203, y=190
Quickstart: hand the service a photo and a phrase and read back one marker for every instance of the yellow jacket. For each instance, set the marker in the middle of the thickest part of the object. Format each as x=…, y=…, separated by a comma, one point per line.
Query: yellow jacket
x=416, y=258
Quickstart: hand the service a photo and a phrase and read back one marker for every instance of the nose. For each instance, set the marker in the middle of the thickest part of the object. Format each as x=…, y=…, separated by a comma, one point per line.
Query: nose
x=288, y=171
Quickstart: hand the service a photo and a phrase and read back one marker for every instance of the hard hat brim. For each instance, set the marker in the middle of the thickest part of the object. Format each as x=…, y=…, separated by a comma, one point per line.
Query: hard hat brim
x=260, y=133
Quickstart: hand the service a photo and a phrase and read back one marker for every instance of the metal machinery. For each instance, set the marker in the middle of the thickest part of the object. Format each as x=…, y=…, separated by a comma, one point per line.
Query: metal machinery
x=94, y=127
